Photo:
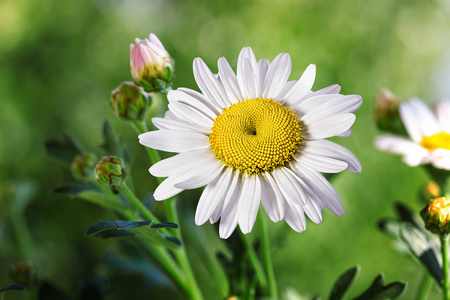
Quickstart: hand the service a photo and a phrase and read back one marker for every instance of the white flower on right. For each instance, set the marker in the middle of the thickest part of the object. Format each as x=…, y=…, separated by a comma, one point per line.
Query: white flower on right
x=429, y=132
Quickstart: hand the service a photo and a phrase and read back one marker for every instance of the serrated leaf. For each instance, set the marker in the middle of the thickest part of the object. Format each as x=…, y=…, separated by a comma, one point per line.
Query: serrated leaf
x=12, y=287
x=344, y=283
x=165, y=225
x=406, y=215
x=64, y=150
x=423, y=248
x=391, y=291
x=390, y=227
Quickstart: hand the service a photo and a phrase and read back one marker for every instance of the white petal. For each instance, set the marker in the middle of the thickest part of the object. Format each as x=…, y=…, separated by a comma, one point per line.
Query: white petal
x=174, y=141
x=263, y=65
x=229, y=216
x=248, y=73
x=199, y=175
x=208, y=84
x=277, y=75
x=179, y=125
x=329, y=127
x=179, y=162
x=312, y=103
x=321, y=188
x=320, y=163
x=165, y=190
x=295, y=217
x=287, y=87
x=302, y=86
x=271, y=198
x=332, y=89
x=345, y=133
x=201, y=98
x=413, y=154
x=442, y=112
x=195, y=102
x=212, y=196
x=249, y=202
x=229, y=81
x=329, y=149
x=288, y=184
x=313, y=211
x=338, y=105
x=418, y=119
x=191, y=115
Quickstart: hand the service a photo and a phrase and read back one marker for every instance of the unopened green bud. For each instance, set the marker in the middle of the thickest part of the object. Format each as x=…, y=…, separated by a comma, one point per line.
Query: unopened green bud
x=436, y=215
x=24, y=273
x=151, y=65
x=387, y=116
x=83, y=165
x=110, y=170
x=130, y=102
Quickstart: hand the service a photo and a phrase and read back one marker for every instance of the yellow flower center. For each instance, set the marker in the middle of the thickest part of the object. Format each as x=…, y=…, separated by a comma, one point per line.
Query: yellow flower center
x=255, y=135
x=435, y=141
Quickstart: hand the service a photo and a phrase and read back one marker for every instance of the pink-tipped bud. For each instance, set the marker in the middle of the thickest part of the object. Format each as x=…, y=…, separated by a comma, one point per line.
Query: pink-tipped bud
x=151, y=65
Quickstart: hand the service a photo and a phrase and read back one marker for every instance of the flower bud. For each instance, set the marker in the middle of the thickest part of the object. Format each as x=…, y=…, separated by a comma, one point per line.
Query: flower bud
x=151, y=65
x=83, y=165
x=431, y=190
x=110, y=170
x=387, y=116
x=24, y=273
x=130, y=102
x=436, y=215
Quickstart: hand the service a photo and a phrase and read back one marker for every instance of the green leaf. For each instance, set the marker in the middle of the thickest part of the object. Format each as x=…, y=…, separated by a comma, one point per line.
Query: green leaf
x=65, y=150
x=344, y=283
x=100, y=226
x=131, y=224
x=73, y=189
x=173, y=240
x=406, y=215
x=111, y=143
x=423, y=248
x=91, y=194
x=114, y=233
x=377, y=291
x=13, y=287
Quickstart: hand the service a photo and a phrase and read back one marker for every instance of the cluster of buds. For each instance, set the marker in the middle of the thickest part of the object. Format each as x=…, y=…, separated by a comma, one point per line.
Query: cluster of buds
x=151, y=65
x=110, y=170
x=436, y=215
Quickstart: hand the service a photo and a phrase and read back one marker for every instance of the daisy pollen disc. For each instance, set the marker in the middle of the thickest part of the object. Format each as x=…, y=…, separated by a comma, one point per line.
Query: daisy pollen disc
x=255, y=135
x=435, y=141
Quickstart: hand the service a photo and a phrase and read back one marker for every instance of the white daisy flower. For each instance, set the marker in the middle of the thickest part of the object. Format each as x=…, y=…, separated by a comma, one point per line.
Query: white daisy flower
x=253, y=138
x=429, y=133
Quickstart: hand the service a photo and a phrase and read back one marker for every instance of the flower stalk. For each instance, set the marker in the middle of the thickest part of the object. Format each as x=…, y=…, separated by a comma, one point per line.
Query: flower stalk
x=445, y=279
x=266, y=256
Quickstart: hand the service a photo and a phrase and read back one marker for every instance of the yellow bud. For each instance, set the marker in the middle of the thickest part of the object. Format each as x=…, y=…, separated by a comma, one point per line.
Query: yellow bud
x=436, y=215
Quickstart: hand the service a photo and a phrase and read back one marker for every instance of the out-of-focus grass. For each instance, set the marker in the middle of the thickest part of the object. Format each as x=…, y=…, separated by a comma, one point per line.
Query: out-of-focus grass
x=60, y=60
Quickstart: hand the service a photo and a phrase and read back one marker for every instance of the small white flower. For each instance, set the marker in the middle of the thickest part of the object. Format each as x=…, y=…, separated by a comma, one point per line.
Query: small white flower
x=254, y=138
x=429, y=133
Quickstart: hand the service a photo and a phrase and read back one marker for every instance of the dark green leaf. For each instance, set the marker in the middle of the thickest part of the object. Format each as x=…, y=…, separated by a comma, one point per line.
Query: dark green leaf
x=131, y=224
x=173, y=240
x=165, y=225
x=13, y=287
x=64, y=150
x=406, y=215
x=423, y=248
x=377, y=291
x=390, y=227
x=49, y=291
x=100, y=226
x=344, y=283
x=111, y=143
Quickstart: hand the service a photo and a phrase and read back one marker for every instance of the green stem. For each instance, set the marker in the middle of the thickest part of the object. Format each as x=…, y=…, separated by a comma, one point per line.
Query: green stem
x=266, y=256
x=425, y=287
x=254, y=261
x=172, y=215
x=444, y=251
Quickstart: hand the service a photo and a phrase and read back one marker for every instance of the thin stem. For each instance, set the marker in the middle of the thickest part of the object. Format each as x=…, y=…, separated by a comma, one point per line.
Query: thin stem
x=266, y=256
x=254, y=261
x=444, y=251
x=425, y=287
x=137, y=203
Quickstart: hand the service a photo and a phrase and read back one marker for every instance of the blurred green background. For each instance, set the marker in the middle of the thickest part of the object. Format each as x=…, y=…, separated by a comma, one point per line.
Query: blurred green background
x=59, y=61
